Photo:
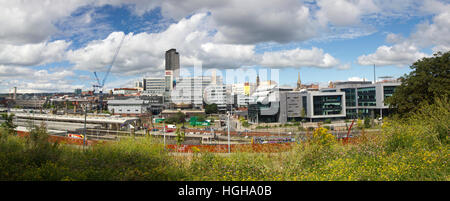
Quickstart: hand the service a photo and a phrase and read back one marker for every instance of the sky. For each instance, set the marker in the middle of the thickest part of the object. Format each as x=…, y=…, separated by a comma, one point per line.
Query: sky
x=55, y=46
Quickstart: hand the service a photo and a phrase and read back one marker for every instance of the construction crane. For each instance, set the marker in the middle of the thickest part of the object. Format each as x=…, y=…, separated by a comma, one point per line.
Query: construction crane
x=102, y=83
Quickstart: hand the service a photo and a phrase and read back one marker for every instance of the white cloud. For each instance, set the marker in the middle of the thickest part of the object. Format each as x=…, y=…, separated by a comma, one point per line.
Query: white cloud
x=356, y=79
x=299, y=58
x=344, y=66
x=144, y=52
x=29, y=80
x=402, y=54
x=406, y=51
x=33, y=54
x=32, y=21
x=434, y=34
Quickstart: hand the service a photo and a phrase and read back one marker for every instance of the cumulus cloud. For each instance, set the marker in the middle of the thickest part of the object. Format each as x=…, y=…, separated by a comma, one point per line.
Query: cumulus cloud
x=33, y=54
x=144, y=52
x=32, y=21
x=299, y=58
x=402, y=54
x=435, y=34
x=406, y=51
x=30, y=80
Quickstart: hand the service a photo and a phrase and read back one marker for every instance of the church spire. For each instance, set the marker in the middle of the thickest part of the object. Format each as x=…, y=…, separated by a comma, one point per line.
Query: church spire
x=299, y=82
x=257, y=80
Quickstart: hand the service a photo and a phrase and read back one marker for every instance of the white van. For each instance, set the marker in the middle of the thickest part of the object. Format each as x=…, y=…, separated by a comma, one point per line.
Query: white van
x=171, y=126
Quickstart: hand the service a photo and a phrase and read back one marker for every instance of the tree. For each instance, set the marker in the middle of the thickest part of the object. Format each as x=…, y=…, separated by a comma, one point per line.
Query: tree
x=211, y=109
x=367, y=122
x=8, y=123
x=180, y=136
x=428, y=81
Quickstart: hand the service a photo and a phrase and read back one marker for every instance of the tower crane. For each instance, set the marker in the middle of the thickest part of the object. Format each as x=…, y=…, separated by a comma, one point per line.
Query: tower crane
x=99, y=84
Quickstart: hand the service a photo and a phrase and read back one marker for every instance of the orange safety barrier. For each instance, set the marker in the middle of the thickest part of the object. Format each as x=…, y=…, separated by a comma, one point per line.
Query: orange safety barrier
x=223, y=148
x=61, y=139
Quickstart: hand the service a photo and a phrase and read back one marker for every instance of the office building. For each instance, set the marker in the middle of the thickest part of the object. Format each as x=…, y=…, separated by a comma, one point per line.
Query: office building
x=283, y=104
x=216, y=94
x=364, y=99
x=154, y=86
x=189, y=91
x=128, y=107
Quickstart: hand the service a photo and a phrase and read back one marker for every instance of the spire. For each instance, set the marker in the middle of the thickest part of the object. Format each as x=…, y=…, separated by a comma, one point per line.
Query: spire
x=257, y=80
x=299, y=82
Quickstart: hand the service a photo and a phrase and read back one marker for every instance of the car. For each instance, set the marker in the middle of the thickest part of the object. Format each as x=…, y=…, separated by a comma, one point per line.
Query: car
x=171, y=126
x=155, y=129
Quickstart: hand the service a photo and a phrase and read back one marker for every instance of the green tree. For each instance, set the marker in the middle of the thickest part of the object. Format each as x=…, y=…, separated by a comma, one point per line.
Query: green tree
x=429, y=80
x=8, y=124
x=211, y=109
x=367, y=122
x=180, y=136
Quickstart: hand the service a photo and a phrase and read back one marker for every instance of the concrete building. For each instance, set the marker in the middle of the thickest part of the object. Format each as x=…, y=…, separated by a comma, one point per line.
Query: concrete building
x=216, y=94
x=189, y=91
x=128, y=107
x=125, y=91
x=154, y=86
x=173, y=62
x=77, y=92
x=243, y=100
x=364, y=99
x=172, y=69
x=283, y=104
x=29, y=103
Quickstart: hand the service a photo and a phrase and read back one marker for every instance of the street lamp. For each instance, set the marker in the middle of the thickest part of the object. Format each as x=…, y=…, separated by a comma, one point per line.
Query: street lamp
x=84, y=132
x=228, y=125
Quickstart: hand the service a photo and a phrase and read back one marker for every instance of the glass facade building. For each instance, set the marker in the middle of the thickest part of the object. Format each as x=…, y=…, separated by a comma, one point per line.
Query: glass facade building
x=367, y=96
x=327, y=105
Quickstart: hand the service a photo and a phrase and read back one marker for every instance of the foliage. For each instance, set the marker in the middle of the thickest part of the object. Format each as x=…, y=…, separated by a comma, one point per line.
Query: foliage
x=430, y=79
x=180, y=136
x=178, y=118
x=8, y=124
x=367, y=122
x=359, y=124
x=408, y=148
x=211, y=109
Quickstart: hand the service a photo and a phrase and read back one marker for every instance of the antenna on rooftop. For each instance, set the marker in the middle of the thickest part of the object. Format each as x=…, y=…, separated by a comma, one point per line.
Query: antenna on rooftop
x=374, y=77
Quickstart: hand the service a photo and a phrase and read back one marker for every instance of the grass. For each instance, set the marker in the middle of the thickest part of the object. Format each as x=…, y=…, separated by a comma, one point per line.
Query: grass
x=411, y=148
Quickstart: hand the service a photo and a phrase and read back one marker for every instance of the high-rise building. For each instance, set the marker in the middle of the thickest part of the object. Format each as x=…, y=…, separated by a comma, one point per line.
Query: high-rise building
x=172, y=72
x=173, y=62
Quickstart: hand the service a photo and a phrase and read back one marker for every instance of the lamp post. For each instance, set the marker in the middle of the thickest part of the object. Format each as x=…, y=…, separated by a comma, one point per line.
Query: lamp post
x=164, y=133
x=228, y=125
x=84, y=131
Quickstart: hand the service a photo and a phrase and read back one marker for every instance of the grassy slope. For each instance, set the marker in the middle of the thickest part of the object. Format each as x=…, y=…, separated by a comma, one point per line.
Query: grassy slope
x=413, y=148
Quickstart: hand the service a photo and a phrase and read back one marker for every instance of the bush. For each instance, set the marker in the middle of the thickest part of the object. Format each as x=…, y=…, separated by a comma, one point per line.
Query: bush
x=367, y=123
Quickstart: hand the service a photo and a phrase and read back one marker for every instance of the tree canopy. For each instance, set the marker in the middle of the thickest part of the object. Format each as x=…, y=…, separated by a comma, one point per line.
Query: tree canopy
x=211, y=109
x=428, y=81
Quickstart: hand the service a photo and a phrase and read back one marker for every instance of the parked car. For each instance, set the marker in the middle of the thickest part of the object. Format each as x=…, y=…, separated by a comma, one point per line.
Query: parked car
x=171, y=126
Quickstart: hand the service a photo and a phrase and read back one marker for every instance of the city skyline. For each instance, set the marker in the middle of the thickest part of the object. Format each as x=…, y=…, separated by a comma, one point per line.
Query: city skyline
x=62, y=44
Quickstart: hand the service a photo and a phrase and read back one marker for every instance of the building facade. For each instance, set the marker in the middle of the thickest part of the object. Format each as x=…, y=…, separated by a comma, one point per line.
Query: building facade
x=128, y=107
x=364, y=99
x=154, y=86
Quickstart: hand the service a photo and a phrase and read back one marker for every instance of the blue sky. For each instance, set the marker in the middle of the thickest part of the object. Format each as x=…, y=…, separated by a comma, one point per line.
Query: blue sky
x=57, y=46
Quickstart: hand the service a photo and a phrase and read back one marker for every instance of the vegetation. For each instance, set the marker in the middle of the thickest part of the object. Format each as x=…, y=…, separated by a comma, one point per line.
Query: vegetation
x=211, y=109
x=180, y=136
x=408, y=148
x=178, y=118
x=429, y=80
x=8, y=125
